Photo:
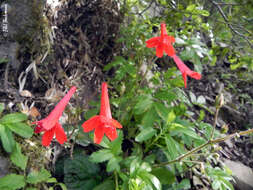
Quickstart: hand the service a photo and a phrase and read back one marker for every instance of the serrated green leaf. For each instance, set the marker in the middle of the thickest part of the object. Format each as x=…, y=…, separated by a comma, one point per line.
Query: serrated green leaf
x=171, y=147
x=144, y=103
x=180, y=129
x=164, y=175
x=101, y=156
x=7, y=139
x=21, y=129
x=145, y=134
x=162, y=111
x=149, y=118
x=35, y=177
x=18, y=158
x=106, y=185
x=113, y=164
x=12, y=182
x=13, y=118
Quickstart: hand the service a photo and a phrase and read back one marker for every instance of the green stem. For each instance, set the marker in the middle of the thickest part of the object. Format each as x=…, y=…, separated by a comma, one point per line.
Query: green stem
x=116, y=181
x=218, y=140
x=153, y=142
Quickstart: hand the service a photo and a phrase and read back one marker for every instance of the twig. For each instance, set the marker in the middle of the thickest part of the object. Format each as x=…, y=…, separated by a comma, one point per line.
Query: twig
x=229, y=25
x=214, y=122
x=218, y=140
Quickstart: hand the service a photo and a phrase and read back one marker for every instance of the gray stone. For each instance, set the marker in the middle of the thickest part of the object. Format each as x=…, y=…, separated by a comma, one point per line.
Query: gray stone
x=243, y=175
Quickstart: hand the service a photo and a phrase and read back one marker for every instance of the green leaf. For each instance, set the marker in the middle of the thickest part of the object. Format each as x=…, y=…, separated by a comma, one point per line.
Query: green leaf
x=79, y=172
x=12, y=182
x=184, y=184
x=227, y=184
x=3, y=60
x=106, y=185
x=115, y=146
x=162, y=111
x=13, y=118
x=91, y=112
x=31, y=188
x=149, y=118
x=7, y=139
x=21, y=129
x=145, y=134
x=18, y=158
x=144, y=103
x=113, y=164
x=191, y=7
x=63, y=186
x=154, y=181
x=101, y=156
x=171, y=117
x=164, y=175
x=35, y=177
x=180, y=129
x=171, y=147
x=52, y=180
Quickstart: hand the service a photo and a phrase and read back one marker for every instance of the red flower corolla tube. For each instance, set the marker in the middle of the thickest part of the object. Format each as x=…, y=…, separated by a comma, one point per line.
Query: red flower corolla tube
x=103, y=123
x=162, y=43
x=185, y=70
x=50, y=125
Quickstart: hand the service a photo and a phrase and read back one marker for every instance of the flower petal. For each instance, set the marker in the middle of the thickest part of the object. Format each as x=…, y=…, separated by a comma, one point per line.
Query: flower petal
x=60, y=134
x=159, y=50
x=111, y=132
x=185, y=70
x=184, y=75
x=169, y=50
x=115, y=123
x=92, y=123
x=195, y=75
x=98, y=134
x=153, y=42
x=105, y=109
x=47, y=137
x=53, y=117
x=163, y=29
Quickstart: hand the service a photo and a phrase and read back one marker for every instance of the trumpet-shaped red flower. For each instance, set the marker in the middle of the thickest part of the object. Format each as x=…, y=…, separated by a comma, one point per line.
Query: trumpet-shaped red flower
x=162, y=43
x=103, y=123
x=50, y=125
x=185, y=70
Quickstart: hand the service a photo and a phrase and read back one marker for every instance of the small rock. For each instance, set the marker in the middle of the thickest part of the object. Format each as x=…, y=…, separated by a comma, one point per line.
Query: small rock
x=229, y=143
x=243, y=175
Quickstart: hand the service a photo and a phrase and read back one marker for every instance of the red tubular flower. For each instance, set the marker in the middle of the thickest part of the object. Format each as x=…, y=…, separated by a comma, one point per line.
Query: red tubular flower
x=51, y=124
x=162, y=43
x=103, y=123
x=185, y=70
